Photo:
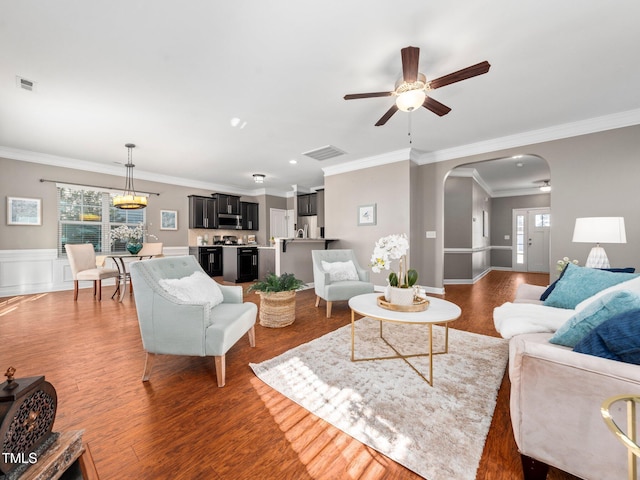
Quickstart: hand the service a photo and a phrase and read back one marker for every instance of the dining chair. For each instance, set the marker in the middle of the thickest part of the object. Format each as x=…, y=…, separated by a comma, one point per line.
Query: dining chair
x=82, y=260
x=150, y=250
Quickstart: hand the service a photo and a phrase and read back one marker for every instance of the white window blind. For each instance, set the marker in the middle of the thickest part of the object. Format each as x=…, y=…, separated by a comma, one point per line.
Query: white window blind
x=87, y=215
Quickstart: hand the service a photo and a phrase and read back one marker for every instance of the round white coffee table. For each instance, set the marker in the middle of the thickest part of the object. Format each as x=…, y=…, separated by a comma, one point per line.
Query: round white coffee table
x=440, y=312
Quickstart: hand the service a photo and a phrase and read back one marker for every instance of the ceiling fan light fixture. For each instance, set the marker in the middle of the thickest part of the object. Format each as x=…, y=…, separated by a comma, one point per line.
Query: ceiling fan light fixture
x=258, y=177
x=410, y=100
x=129, y=200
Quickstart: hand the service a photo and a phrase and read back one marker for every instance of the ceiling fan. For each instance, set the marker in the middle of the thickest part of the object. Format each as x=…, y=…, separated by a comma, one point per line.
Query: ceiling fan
x=411, y=90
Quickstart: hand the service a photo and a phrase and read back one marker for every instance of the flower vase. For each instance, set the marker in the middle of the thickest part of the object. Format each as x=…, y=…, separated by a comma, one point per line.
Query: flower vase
x=387, y=292
x=401, y=296
x=134, y=247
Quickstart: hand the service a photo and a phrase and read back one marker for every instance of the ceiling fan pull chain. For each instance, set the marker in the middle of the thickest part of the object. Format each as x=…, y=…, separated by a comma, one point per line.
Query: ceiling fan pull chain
x=410, y=140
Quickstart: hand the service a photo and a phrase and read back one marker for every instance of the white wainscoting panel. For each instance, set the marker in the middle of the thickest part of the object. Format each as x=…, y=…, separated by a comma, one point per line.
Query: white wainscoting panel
x=32, y=271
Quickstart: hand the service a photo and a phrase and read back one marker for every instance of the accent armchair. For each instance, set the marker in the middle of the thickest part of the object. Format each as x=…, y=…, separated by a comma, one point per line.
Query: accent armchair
x=84, y=267
x=201, y=327
x=336, y=280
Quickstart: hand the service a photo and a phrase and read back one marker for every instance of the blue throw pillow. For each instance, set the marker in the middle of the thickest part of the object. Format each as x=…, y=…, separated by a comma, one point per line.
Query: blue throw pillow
x=550, y=288
x=596, y=313
x=579, y=283
x=618, y=339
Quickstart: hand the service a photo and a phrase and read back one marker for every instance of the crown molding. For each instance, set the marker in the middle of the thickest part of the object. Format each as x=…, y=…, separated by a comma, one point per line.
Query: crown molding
x=375, y=161
x=472, y=173
x=119, y=171
x=557, y=132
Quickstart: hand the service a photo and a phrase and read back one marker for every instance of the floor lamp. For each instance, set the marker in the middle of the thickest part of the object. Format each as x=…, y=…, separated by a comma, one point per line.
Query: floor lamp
x=599, y=230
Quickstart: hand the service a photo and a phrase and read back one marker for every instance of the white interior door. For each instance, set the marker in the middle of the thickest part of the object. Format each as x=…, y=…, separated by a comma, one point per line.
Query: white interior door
x=531, y=228
x=281, y=223
x=277, y=222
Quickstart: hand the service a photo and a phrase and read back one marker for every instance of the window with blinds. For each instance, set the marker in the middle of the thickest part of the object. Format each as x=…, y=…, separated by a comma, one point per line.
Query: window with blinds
x=87, y=215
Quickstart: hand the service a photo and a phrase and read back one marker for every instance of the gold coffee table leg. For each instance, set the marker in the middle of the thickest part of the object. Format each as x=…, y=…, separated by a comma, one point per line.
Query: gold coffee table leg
x=430, y=353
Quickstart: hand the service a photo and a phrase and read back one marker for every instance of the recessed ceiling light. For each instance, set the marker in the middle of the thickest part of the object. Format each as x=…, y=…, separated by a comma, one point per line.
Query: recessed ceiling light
x=238, y=123
x=519, y=164
x=258, y=177
x=293, y=161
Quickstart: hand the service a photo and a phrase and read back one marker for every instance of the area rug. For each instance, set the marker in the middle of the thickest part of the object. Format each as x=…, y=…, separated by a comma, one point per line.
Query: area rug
x=438, y=432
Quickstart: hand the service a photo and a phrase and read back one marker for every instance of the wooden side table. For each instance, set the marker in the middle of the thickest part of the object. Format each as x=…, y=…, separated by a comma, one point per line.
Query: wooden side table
x=68, y=458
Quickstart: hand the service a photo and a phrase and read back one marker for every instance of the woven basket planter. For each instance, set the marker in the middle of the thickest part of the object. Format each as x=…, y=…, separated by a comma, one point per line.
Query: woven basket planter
x=277, y=309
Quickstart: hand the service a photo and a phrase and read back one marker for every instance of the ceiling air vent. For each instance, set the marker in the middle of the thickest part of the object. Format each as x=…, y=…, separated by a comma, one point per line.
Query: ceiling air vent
x=324, y=153
x=25, y=84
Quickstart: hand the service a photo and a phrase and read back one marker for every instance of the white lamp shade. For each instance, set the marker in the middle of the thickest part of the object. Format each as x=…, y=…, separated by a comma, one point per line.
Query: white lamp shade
x=410, y=100
x=600, y=230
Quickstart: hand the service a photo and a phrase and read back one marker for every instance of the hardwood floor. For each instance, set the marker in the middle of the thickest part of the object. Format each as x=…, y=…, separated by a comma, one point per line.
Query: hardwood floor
x=180, y=425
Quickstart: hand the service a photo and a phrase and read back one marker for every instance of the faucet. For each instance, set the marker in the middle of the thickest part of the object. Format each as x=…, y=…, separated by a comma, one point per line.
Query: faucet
x=300, y=233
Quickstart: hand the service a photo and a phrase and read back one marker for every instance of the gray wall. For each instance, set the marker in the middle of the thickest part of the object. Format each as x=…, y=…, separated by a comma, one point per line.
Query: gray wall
x=22, y=179
x=387, y=186
x=465, y=203
x=458, y=212
x=592, y=175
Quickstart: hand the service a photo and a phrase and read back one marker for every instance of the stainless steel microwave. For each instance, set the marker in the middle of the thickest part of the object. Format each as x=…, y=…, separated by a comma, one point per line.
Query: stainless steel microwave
x=228, y=220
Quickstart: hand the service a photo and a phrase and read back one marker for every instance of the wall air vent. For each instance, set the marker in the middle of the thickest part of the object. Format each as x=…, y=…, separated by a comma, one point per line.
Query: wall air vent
x=324, y=153
x=25, y=84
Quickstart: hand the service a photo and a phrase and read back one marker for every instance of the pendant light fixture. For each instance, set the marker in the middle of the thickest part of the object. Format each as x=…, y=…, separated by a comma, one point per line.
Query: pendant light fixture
x=129, y=200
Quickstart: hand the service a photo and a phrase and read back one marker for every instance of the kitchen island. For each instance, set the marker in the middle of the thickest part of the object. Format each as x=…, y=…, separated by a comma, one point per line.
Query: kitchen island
x=293, y=255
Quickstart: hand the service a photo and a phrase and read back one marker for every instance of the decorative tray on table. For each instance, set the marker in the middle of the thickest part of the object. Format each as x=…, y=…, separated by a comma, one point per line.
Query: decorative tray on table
x=420, y=304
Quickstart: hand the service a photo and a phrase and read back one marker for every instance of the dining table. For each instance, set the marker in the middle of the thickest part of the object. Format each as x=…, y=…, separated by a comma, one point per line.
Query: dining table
x=121, y=260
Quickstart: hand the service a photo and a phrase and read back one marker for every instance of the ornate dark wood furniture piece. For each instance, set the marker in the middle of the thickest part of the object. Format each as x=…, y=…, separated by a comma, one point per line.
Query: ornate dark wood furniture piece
x=27, y=411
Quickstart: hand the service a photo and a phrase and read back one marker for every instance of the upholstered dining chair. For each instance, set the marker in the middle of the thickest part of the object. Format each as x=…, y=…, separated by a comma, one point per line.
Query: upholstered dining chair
x=337, y=276
x=82, y=260
x=150, y=250
x=183, y=311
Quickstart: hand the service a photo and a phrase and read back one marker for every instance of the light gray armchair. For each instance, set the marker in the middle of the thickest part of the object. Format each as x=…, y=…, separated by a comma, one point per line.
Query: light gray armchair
x=172, y=326
x=328, y=287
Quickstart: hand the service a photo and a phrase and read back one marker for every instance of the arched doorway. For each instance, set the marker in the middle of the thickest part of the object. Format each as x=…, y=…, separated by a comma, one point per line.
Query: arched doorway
x=482, y=231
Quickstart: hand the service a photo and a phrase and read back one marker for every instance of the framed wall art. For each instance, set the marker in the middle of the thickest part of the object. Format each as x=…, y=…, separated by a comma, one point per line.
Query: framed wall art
x=24, y=211
x=168, y=220
x=367, y=214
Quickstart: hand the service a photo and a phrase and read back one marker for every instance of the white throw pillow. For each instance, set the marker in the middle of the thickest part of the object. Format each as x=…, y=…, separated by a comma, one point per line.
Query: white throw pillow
x=340, y=271
x=197, y=287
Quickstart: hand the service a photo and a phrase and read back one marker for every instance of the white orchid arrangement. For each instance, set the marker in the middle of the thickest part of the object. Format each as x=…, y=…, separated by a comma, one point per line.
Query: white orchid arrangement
x=127, y=234
x=562, y=264
x=389, y=248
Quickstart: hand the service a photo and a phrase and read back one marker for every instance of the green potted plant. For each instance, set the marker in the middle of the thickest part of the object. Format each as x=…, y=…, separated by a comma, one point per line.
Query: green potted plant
x=277, y=299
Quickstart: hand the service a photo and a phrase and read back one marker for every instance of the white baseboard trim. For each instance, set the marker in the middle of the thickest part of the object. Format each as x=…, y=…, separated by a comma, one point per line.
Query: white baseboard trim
x=466, y=281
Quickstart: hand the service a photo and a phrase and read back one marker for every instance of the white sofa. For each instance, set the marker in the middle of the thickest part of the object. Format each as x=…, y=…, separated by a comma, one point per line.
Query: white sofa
x=556, y=396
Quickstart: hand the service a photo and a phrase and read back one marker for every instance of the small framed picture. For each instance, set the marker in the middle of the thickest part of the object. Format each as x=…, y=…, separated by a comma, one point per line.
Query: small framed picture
x=24, y=211
x=367, y=214
x=168, y=220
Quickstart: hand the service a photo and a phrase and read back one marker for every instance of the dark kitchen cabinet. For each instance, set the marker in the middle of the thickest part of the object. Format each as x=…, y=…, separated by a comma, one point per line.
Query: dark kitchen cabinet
x=227, y=203
x=307, y=204
x=249, y=211
x=210, y=259
x=202, y=212
x=240, y=264
x=247, y=264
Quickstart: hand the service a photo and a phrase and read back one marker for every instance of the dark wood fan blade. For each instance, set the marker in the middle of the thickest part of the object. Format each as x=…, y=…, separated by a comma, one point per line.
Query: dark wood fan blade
x=387, y=116
x=410, y=58
x=353, y=96
x=472, y=71
x=435, y=106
